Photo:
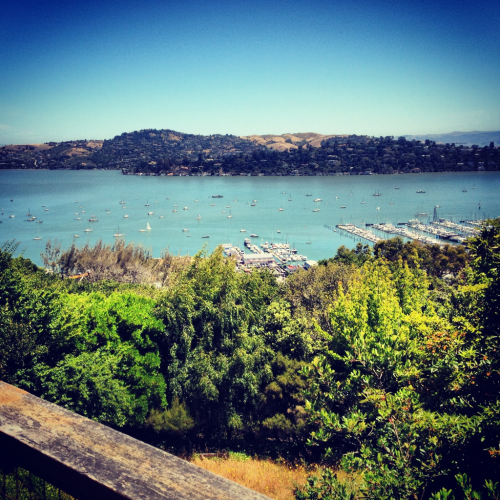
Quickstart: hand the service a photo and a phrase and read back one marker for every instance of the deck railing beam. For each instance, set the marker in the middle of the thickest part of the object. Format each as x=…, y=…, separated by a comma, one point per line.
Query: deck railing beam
x=93, y=462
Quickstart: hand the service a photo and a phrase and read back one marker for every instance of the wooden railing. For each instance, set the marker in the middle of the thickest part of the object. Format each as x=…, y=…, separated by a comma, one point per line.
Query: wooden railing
x=90, y=461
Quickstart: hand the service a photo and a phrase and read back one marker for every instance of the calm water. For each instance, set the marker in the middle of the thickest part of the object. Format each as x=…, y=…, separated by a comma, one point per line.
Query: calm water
x=64, y=192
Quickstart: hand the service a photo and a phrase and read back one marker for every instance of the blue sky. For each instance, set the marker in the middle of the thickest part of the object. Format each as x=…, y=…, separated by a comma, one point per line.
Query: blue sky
x=95, y=69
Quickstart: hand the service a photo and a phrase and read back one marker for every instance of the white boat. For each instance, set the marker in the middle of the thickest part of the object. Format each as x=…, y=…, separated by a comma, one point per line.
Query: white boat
x=243, y=230
x=185, y=230
x=212, y=204
x=316, y=210
x=162, y=216
x=148, y=227
x=11, y=216
x=150, y=213
x=88, y=230
x=174, y=210
x=76, y=236
x=46, y=209
x=280, y=210
x=37, y=238
x=199, y=217
x=125, y=216
x=318, y=199
x=378, y=208
x=254, y=236
x=278, y=231
x=185, y=208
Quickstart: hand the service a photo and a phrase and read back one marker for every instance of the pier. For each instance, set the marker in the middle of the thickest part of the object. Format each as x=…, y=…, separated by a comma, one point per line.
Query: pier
x=438, y=232
x=469, y=231
x=358, y=231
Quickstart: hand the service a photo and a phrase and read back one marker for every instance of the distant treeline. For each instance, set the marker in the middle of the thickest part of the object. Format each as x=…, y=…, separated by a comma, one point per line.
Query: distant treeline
x=166, y=152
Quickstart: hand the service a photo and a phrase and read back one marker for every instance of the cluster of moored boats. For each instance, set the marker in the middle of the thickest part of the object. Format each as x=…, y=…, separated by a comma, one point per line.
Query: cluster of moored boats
x=413, y=229
x=282, y=252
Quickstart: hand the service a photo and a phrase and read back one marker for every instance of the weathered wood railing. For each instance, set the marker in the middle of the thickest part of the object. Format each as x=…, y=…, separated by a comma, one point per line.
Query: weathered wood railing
x=91, y=461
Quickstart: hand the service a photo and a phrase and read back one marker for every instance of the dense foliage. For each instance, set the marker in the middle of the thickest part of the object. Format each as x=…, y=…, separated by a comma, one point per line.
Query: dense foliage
x=385, y=364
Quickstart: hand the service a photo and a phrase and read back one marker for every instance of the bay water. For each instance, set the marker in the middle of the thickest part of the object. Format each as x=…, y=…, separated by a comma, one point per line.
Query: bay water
x=65, y=200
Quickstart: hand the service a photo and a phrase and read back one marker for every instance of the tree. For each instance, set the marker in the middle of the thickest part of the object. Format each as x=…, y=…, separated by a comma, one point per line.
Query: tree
x=375, y=392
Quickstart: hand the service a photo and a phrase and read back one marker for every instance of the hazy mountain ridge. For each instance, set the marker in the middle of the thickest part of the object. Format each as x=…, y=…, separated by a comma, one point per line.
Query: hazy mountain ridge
x=464, y=138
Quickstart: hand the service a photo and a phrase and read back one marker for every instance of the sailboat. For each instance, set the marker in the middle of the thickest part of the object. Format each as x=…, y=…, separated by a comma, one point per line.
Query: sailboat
x=118, y=234
x=148, y=227
x=290, y=197
x=199, y=217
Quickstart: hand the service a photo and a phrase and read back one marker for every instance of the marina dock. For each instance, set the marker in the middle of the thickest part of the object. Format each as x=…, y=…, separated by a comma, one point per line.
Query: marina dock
x=360, y=232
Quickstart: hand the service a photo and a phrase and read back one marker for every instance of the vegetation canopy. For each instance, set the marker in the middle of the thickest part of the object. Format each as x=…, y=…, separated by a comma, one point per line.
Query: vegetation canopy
x=380, y=365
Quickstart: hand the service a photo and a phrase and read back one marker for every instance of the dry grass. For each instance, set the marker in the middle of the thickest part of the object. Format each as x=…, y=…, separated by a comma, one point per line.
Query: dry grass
x=276, y=480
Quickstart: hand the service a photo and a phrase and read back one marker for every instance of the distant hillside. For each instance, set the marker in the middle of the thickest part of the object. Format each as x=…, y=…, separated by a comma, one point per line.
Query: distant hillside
x=168, y=152
x=292, y=141
x=464, y=138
